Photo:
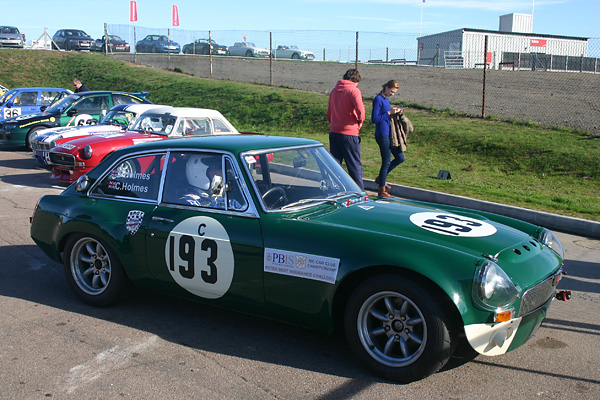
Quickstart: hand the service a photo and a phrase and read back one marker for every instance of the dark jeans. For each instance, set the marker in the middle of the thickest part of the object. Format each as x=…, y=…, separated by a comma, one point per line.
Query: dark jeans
x=387, y=164
x=347, y=148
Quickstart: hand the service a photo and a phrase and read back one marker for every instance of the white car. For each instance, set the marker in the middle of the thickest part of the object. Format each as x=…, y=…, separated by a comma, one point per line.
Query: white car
x=118, y=119
x=293, y=52
x=247, y=49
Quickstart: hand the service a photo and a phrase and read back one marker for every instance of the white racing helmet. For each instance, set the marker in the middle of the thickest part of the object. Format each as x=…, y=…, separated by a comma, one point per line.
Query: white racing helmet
x=196, y=172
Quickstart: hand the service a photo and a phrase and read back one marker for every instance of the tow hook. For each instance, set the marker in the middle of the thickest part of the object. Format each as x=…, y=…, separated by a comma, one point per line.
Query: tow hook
x=563, y=295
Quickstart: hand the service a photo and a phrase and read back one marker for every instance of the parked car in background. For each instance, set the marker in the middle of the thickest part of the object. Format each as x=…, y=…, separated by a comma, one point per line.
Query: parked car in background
x=72, y=39
x=118, y=119
x=247, y=49
x=293, y=52
x=11, y=37
x=202, y=46
x=21, y=101
x=157, y=44
x=274, y=226
x=85, y=108
x=115, y=44
x=73, y=159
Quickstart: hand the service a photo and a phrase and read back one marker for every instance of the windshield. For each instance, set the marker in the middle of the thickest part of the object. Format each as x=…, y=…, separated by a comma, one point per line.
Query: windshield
x=119, y=117
x=298, y=177
x=6, y=96
x=155, y=123
x=59, y=106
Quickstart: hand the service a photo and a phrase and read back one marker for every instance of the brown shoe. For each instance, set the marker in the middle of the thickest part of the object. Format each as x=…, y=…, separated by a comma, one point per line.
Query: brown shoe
x=383, y=192
x=386, y=185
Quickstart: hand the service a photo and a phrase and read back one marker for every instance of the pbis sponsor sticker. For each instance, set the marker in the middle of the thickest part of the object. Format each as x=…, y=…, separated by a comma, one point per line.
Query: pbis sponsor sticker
x=301, y=265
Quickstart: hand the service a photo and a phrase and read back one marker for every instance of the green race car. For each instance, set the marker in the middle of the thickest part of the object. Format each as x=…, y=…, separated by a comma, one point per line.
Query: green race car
x=77, y=109
x=273, y=226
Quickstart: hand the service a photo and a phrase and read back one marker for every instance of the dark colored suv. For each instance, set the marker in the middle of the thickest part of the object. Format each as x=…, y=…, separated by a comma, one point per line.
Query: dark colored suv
x=72, y=39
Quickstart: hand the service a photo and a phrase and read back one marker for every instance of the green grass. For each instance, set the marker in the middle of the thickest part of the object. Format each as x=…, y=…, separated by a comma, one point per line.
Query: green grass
x=511, y=162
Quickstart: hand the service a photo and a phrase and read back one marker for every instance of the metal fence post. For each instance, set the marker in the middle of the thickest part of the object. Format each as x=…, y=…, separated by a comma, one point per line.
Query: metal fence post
x=356, y=59
x=485, y=47
x=271, y=58
x=210, y=50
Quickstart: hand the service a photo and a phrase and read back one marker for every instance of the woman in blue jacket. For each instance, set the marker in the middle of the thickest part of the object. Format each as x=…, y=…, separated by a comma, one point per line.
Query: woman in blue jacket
x=381, y=118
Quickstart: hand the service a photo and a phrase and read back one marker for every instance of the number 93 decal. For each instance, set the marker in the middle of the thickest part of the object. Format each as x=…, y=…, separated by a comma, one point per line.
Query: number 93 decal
x=452, y=225
x=199, y=257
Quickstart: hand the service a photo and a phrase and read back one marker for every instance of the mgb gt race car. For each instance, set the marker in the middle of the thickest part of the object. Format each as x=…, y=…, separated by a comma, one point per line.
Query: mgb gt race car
x=118, y=119
x=273, y=226
x=74, y=158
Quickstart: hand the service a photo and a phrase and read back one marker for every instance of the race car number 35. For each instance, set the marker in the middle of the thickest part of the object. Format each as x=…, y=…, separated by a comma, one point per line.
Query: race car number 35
x=199, y=257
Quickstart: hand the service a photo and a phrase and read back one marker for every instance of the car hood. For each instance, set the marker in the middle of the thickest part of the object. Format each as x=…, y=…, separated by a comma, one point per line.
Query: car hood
x=466, y=231
x=102, y=139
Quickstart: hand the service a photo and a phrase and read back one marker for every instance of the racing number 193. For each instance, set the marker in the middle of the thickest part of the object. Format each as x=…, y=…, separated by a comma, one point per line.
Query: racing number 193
x=187, y=253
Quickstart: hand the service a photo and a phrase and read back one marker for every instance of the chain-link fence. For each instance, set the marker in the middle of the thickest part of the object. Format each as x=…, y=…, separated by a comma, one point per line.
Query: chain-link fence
x=557, y=84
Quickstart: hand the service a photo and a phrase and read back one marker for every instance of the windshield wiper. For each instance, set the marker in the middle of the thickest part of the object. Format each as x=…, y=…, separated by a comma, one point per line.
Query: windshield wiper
x=308, y=201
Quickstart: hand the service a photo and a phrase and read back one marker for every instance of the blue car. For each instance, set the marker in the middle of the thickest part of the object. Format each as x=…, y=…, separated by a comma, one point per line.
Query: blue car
x=157, y=44
x=21, y=101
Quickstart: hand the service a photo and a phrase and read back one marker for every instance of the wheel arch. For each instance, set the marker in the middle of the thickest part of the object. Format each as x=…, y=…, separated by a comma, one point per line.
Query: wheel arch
x=352, y=280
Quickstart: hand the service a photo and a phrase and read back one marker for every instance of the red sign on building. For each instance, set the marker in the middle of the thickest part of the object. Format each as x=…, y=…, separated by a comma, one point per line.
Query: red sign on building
x=537, y=42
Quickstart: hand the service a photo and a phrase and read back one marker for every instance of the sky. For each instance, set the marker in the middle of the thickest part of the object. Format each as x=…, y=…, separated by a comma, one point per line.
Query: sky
x=578, y=18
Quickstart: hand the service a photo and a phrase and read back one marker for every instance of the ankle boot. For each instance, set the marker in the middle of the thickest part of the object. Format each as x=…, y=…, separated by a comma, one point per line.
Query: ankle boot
x=383, y=192
x=386, y=185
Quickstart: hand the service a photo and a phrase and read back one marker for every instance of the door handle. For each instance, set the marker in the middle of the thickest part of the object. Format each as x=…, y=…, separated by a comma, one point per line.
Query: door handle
x=161, y=219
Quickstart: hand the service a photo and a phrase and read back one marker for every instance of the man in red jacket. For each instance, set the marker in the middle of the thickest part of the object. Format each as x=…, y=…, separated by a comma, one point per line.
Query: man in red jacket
x=346, y=114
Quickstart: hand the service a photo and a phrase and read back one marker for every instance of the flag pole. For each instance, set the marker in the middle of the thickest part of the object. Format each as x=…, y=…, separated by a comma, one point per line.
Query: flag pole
x=421, y=28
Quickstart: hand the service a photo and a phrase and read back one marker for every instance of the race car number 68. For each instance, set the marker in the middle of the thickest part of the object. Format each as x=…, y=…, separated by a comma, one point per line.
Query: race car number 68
x=199, y=256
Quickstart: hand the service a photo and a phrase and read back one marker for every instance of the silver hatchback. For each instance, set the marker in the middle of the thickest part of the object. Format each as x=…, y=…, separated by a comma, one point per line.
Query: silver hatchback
x=11, y=37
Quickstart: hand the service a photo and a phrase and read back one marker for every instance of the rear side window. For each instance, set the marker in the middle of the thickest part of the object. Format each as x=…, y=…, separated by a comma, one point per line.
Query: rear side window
x=134, y=178
x=124, y=99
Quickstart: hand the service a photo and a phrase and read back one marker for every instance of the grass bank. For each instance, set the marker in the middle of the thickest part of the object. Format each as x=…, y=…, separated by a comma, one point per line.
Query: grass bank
x=556, y=171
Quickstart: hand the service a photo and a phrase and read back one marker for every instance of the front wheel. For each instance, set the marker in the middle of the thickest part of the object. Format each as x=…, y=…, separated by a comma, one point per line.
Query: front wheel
x=93, y=271
x=397, y=329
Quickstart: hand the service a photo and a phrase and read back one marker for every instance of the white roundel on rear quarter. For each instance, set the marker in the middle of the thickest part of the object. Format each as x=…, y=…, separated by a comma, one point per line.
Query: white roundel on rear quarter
x=200, y=258
x=452, y=224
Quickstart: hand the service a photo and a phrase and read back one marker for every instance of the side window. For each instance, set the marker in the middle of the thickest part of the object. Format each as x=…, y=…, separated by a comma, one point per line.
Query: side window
x=220, y=126
x=47, y=97
x=197, y=179
x=135, y=178
x=26, y=99
x=124, y=99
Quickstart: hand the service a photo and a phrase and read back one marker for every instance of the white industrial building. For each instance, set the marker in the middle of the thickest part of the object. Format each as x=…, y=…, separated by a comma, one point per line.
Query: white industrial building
x=513, y=46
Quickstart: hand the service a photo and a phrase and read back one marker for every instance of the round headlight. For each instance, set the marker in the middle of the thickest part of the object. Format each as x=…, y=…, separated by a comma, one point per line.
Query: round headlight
x=548, y=238
x=87, y=152
x=492, y=288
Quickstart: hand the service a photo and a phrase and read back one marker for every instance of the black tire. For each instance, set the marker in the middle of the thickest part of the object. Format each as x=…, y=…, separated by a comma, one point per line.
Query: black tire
x=249, y=53
x=93, y=271
x=397, y=329
x=205, y=51
x=295, y=56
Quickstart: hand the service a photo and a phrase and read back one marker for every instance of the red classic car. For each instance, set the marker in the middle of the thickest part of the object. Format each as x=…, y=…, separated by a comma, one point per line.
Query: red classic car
x=76, y=157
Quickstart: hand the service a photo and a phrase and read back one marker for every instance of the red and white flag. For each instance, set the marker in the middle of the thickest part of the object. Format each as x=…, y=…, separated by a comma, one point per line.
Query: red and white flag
x=175, y=16
x=132, y=11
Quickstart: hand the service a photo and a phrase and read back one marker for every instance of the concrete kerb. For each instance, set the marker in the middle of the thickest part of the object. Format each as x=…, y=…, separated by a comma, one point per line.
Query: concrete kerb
x=561, y=223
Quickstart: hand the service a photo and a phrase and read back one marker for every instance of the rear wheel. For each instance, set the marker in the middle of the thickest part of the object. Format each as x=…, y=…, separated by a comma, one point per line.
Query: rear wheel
x=397, y=329
x=93, y=271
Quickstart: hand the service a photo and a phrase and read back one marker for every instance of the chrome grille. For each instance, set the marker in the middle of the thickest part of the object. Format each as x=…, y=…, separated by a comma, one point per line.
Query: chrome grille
x=62, y=159
x=539, y=295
